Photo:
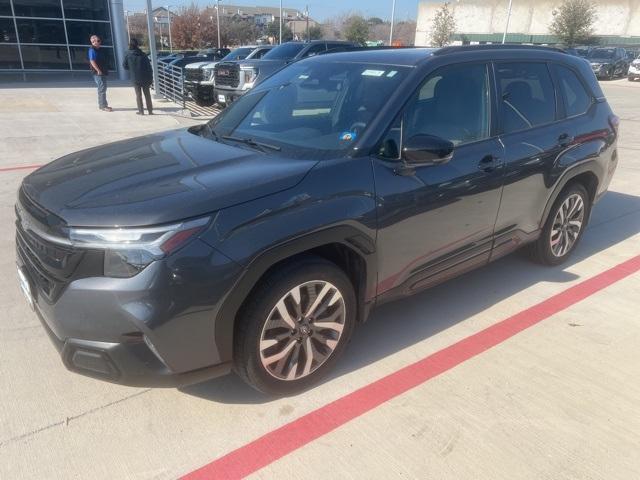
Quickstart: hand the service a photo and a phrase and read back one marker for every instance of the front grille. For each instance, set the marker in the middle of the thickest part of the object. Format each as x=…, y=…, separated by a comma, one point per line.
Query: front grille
x=193, y=75
x=51, y=266
x=227, y=75
x=34, y=260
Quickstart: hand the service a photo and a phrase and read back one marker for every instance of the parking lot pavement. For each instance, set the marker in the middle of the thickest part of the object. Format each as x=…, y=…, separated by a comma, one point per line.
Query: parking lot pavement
x=557, y=400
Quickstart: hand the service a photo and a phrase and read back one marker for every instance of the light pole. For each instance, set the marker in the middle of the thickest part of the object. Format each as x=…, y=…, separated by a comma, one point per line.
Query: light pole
x=306, y=15
x=218, y=20
x=280, y=38
x=506, y=28
x=126, y=14
x=152, y=48
x=169, y=19
x=393, y=14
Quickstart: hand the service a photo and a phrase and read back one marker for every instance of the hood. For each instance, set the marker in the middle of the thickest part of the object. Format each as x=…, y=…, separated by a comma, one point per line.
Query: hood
x=197, y=65
x=156, y=179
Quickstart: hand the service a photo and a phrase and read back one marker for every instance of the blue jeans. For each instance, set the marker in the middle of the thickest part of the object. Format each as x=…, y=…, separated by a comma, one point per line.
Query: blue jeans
x=101, y=82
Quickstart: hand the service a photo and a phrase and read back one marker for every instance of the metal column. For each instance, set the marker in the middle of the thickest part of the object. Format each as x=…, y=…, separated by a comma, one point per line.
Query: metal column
x=119, y=36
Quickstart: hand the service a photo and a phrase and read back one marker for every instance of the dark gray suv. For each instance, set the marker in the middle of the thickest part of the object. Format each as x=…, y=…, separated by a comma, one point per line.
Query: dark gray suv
x=258, y=241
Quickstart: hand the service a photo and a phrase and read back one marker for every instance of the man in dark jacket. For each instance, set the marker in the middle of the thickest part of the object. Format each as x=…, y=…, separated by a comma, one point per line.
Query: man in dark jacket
x=141, y=72
x=98, y=66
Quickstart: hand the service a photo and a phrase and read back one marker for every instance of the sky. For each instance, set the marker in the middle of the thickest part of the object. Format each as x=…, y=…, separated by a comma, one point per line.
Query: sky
x=319, y=10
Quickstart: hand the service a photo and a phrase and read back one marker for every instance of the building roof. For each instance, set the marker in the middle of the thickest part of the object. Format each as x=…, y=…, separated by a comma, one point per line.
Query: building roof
x=252, y=11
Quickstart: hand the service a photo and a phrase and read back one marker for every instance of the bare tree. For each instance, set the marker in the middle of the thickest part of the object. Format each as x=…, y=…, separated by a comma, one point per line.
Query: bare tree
x=573, y=21
x=444, y=25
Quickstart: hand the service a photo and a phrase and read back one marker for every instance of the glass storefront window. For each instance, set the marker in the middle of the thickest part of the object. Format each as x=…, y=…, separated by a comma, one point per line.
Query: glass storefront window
x=5, y=7
x=9, y=57
x=40, y=31
x=37, y=8
x=79, y=32
x=80, y=58
x=86, y=9
x=7, y=31
x=37, y=56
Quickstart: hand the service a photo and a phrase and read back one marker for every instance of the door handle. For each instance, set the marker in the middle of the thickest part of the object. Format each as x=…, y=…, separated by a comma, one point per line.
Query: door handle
x=489, y=163
x=565, y=139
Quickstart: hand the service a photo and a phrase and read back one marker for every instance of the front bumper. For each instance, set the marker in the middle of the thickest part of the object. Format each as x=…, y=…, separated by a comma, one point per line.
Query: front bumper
x=155, y=329
x=226, y=96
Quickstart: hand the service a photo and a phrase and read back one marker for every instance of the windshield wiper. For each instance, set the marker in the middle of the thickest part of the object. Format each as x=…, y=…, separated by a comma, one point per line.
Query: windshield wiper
x=252, y=143
x=213, y=132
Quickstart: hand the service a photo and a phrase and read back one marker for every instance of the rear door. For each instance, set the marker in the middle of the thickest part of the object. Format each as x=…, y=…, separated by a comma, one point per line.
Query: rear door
x=533, y=134
x=437, y=221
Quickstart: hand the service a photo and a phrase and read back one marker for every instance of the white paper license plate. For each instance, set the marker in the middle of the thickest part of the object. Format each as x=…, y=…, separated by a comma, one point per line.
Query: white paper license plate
x=222, y=99
x=25, y=287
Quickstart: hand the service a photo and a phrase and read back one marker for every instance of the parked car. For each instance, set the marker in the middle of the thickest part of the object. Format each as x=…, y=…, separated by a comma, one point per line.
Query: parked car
x=211, y=54
x=583, y=51
x=609, y=62
x=233, y=79
x=634, y=70
x=259, y=240
x=198, y=78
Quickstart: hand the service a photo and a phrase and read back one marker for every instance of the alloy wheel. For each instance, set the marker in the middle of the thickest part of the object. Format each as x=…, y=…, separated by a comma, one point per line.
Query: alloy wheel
x=302, y=330
x=567, y=225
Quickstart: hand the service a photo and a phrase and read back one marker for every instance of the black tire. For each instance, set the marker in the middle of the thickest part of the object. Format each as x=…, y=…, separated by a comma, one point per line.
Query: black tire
x=541, y=251
x=251, y=321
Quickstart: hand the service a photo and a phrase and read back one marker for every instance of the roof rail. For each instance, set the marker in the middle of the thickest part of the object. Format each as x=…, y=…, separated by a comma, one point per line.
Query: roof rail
x=341, y=49
x=494, y=46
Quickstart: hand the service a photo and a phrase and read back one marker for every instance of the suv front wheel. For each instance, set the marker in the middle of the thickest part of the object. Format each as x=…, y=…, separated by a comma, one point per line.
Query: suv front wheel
x=295, y=326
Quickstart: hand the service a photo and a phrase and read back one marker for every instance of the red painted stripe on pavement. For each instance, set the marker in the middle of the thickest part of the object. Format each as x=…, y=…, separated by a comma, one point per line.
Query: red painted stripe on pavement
x=21, y=167
x=274, y=445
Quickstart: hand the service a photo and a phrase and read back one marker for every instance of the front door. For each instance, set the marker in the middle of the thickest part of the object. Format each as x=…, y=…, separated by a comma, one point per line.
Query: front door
x=438, y=221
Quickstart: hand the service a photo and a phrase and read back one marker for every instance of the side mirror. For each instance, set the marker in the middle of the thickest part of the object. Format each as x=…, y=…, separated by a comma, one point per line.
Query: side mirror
x=427, y=150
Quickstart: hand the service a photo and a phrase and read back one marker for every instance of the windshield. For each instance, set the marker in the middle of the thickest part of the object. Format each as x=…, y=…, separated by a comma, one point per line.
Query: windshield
x=602, y=53
x=313, y=109
x=239, y=53
x=285, y=51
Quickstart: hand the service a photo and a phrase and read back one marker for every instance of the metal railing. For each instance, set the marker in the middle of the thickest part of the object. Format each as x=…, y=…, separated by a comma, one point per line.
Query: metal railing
x=171, y=87
x=171, y=83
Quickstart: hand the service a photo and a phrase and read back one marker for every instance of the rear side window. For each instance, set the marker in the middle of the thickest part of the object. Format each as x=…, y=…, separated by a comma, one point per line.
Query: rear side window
x=314, y=50
x=576, y=99
x=527, y=95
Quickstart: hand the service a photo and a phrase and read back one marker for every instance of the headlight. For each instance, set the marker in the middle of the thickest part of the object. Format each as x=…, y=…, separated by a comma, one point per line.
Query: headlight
x=250, y=76
x=208, y=74
x=127, y=251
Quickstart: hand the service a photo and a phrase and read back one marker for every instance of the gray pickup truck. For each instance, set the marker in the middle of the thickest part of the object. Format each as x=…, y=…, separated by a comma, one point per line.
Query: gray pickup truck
x=198, y=78
x=233, y=78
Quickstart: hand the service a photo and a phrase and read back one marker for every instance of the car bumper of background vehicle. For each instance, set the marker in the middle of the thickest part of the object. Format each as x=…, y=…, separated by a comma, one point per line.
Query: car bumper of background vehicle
x=226, y=97
x=154, y=329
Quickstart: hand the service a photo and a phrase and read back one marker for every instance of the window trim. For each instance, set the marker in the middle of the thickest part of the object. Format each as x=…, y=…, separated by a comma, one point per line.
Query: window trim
x=491, y=110
x=557, y=116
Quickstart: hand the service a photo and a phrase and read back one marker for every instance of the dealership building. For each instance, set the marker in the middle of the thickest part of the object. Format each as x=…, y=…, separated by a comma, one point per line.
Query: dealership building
x=484, y=21
x=53, y=35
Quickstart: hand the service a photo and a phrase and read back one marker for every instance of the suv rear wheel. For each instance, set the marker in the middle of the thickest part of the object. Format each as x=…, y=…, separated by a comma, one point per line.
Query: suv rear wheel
x=564, y=227
x=296, y=325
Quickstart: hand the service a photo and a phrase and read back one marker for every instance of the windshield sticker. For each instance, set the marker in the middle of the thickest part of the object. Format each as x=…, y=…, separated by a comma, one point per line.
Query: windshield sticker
x=348, y=136
x=373, y=73
x=392, y=73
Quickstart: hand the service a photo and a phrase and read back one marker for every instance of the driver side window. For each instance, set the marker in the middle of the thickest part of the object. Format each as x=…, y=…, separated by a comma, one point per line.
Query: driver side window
x=452, y=103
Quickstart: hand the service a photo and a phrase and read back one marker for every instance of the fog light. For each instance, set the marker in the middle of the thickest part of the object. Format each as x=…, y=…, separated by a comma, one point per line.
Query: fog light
x=92, y=361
